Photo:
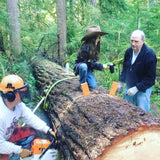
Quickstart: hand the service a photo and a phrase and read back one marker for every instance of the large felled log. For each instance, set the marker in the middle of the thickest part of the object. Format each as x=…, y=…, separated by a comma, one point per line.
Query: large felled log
x=99, y=126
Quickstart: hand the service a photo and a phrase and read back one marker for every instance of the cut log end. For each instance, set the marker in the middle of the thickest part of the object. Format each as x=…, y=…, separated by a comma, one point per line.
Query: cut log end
x=138, y=145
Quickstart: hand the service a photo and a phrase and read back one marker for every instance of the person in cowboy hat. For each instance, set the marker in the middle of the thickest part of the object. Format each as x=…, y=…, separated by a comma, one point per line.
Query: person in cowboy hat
x=87, y=56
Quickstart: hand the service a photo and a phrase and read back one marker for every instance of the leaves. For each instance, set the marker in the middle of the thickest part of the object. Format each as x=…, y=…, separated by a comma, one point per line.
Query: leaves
x=38, y=23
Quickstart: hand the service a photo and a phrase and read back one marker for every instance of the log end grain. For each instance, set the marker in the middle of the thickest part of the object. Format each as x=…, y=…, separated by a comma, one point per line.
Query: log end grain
x=136, y=145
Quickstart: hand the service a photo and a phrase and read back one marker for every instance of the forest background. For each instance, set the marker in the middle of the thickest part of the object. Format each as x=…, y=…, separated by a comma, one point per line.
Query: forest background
x=54, y=28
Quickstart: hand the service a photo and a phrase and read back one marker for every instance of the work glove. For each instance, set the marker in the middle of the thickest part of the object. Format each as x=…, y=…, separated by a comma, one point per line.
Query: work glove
x=120, y=87
x=132, y=91
x=25, y=153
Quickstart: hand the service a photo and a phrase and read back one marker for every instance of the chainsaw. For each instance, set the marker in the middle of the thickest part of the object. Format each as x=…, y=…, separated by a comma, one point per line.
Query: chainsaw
x=42, y=149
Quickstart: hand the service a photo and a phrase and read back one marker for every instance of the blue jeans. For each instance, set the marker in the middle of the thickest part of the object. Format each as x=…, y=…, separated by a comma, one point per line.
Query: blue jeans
x=86, y=75
x=141, y=99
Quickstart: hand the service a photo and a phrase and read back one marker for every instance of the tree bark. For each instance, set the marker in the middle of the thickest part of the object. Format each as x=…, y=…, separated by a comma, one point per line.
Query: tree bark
x=98, y=126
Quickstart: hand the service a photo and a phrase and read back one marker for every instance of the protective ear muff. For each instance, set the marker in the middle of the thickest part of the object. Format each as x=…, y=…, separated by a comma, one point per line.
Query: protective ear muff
x=10, y=96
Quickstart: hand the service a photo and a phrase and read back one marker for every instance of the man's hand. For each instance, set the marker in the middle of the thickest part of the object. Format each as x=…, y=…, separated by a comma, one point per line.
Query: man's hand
x=105, y=66
x=52, y=134
x=132, y=91
x=25, y=153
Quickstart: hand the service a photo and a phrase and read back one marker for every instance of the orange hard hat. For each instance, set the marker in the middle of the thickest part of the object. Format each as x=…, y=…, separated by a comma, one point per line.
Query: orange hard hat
x=11, y=83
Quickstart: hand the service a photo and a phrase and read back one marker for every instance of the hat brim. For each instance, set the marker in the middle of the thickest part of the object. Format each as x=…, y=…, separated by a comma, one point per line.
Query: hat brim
x=92, y=35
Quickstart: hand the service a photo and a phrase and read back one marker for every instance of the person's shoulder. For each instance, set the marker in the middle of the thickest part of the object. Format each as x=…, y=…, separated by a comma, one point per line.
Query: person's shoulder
x=129, y=50
x=3, y=110
x=149, y=53
x=84, y=48
x=21, y=106
x=1, y=101
x=2, y=105
x=149, y=49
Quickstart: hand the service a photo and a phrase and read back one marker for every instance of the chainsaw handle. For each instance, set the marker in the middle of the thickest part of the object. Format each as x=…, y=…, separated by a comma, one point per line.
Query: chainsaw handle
x=53, y=141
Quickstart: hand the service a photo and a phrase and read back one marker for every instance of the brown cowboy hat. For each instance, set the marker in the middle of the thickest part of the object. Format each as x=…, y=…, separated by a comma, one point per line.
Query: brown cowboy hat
x=92, y=31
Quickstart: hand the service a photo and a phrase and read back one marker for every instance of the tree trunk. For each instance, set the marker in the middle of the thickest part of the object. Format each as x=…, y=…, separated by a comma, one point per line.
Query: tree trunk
x=61, y=29
x=13, y=14
x=1, y=43
x=98, y=126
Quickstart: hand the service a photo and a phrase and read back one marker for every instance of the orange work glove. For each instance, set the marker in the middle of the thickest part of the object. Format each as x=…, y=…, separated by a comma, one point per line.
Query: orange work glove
x=25, y=153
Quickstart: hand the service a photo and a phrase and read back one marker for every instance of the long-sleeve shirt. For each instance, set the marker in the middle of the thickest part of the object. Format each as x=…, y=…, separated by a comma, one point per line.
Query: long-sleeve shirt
x=84, y=57
x=142, y=72
x=9, y=120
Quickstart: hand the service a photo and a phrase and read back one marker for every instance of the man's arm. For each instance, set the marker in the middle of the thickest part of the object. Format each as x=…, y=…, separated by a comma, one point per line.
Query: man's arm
x=123, y=73
x=149, y=77
x=7, y=147
x=32, y=120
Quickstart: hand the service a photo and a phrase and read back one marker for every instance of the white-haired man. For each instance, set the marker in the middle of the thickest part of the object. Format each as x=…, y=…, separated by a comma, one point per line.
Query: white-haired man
x=139, y=71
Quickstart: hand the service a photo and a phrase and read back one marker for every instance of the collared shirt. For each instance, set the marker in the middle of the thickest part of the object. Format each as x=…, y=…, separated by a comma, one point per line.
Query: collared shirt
x=134, y=56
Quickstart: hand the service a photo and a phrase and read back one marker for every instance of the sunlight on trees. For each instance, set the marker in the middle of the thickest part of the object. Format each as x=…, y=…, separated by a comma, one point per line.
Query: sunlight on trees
x=38, y=28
